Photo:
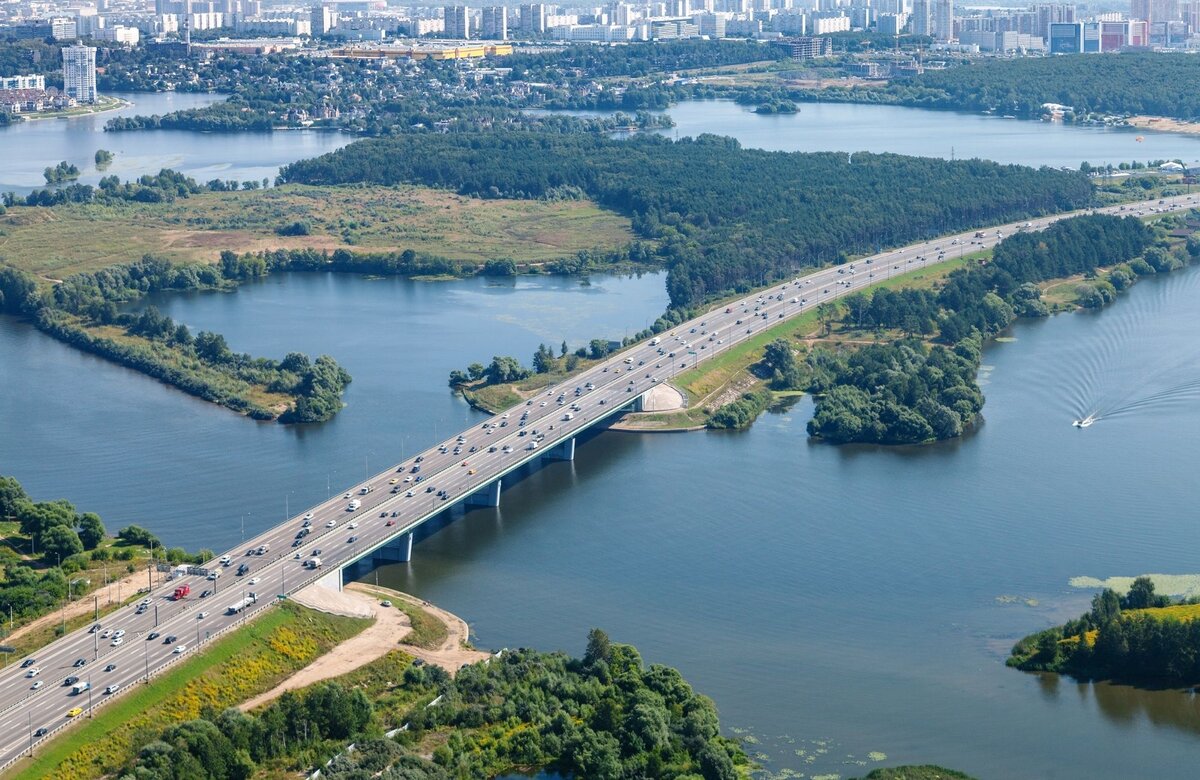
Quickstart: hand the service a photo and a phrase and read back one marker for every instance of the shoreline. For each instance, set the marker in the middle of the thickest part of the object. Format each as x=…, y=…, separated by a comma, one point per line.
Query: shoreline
x=118, y=104
x=1163, y=124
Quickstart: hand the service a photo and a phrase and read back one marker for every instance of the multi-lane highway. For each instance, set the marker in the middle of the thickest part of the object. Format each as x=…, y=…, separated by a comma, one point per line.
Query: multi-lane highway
x=396, y=501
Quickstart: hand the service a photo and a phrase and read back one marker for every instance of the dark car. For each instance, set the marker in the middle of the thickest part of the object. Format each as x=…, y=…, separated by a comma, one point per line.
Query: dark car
x=71, y=680
x=28, y=662
x=206, y=594
x=153, y=635
x=169, y=639
x=79, y=662
x=41, y=732
x=110, y=667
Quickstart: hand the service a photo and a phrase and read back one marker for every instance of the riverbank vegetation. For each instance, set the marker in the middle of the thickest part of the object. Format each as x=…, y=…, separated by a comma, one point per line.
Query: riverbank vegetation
x=83, y=311
x=227, y=670
x=724, y=218
x=905, y=392
x=1131, y=83
x=1141, y=637
x=604, y=716
x=52, y=554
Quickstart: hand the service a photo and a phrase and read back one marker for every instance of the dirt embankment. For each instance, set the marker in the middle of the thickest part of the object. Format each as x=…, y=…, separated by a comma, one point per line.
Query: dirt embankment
x=388, y=631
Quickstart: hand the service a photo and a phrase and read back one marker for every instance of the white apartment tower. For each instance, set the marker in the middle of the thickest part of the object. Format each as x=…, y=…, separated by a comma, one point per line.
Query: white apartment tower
x=79, y=73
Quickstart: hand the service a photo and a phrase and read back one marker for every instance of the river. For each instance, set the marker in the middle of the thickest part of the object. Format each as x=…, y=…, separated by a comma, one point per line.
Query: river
x=242, y=156
x=847, y=127
x=845, y=607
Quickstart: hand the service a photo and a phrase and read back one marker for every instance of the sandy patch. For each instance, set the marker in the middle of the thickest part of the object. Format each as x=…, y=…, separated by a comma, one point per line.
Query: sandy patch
x=385, y=634
x=1164, y=124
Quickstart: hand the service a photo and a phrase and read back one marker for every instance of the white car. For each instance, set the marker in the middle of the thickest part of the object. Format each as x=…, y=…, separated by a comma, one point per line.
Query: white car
x=37, y=685
x=201, y=616
x=180, y=649
x=113, y=688
x=347, y=495
x=308, y=515
x=254, y=580
x=353, y=525
x=34, y=672
x=120, y=632
x=331, y=524
x=117, y=641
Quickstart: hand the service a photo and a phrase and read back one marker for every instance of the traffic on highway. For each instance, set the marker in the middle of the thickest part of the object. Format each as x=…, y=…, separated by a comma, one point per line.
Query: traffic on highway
x=68, y=679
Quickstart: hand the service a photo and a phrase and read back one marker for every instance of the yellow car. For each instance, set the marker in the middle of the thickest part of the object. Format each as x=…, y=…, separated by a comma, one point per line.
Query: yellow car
x=393, y=481
x=471, y=471
x=74, y=711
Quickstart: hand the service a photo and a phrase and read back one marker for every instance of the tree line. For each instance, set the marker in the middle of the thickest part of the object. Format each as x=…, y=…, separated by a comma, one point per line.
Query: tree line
x=1153, y=83
x=61, y=541
x=907, y=391
x=604, y=716
x=167, y=350
x=1131, y=638
x=725, y=218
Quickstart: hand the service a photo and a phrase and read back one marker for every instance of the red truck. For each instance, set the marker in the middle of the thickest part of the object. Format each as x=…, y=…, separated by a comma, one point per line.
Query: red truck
x=182, y=591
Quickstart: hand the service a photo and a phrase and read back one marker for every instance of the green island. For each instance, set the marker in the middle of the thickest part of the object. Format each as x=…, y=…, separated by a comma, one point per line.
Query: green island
x=1141, y=638
x=61, y=173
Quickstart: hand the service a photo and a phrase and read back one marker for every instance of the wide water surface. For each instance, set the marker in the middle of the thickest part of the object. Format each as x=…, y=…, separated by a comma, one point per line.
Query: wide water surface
x=31, y=147
x=846, y=127
x=835, y=602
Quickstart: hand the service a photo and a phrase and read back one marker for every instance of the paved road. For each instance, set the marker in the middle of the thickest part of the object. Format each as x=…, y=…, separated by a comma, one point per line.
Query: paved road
x=395, y=501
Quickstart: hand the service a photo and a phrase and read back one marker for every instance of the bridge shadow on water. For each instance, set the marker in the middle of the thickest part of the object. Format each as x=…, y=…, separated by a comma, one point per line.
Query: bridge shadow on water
x=540, y=479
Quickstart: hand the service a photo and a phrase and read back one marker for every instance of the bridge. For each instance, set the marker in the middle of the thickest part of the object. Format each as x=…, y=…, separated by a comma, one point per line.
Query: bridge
x=377, y=520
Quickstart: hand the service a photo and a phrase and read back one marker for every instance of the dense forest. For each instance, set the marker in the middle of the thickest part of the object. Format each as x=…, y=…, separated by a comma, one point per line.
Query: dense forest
x=83, y=310
x=726, y=218
x=1139, y=637
x=1131, y=83
x=907, y=392
x=606, y=716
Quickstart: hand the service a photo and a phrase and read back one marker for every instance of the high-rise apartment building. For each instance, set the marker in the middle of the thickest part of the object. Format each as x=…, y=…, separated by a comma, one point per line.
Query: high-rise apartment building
x=458, y=21
x=922, y=19
x=942, y=23
x=533, y=18
x=324, y=19
x=495, y=23
x=79, y=73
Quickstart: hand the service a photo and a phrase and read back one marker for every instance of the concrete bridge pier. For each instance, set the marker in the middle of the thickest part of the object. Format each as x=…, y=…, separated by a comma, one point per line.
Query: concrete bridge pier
x=399, y=550
x=332, y=580
x=638, y=405
x=563, y=451
x=488, y=495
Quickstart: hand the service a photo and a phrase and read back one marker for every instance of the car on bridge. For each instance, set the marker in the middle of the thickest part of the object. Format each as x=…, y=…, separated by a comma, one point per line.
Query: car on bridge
x=74, y=712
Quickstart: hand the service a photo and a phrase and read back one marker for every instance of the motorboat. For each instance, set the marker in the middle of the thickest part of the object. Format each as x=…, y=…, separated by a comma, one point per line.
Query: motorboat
x=1084, y=422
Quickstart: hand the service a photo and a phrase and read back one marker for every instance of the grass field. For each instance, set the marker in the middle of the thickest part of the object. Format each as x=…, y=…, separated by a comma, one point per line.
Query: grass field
x=56, y=242
x=248, y=661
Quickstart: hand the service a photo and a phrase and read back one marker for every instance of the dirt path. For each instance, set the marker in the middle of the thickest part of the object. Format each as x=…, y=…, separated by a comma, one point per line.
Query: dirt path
x=454, y=650
x=112, y=593
x=385, y=634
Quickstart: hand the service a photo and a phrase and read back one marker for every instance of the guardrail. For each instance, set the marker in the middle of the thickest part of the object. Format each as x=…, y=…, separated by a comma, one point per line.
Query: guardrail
x=171, y=660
